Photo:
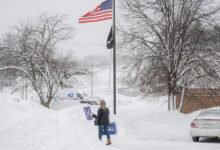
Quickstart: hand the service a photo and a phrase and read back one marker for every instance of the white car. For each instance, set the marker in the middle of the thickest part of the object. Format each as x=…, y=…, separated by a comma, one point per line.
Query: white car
x=91, y=100
x=207, y=124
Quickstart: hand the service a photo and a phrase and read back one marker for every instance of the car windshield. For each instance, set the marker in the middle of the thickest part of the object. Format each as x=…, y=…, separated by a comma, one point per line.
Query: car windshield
x=211, y=113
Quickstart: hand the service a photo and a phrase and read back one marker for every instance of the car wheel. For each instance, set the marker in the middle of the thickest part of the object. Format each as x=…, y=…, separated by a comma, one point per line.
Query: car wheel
x=195, y=139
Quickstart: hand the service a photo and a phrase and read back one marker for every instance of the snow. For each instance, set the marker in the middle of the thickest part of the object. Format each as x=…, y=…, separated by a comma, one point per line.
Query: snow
x=42, y=129
x=142, y=123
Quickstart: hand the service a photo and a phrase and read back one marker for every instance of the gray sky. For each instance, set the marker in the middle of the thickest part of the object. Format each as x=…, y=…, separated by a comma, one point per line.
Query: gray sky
x=90, y=38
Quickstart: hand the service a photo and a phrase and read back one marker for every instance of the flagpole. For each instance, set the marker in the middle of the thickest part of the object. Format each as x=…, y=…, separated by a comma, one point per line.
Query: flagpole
x=114, y=58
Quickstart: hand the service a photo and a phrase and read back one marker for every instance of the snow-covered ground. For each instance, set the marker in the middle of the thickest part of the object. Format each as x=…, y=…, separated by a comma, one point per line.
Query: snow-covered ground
x=143, y=124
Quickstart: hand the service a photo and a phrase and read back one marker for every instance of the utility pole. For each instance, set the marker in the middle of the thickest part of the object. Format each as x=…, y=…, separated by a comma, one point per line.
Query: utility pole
x=110, y=65
x=114, y=58
x=23, y=88
x=92, y=76
x=26, y=89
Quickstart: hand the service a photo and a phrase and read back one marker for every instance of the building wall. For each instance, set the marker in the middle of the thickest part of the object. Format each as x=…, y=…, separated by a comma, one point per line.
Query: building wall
x=196, y=99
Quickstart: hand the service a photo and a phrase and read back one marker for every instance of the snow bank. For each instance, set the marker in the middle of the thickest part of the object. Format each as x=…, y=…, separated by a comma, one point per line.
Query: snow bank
x=28, y=126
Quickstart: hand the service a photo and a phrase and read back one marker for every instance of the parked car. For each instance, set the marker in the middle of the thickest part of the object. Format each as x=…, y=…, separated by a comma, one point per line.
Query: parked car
x=88, y=102
x=91, y=100
x=207, y=124
x=61, y=96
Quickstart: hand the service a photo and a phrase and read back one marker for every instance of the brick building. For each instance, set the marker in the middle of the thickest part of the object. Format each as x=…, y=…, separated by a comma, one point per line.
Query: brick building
x=196, y=99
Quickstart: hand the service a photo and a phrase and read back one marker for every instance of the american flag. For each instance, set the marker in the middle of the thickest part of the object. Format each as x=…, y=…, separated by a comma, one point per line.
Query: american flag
x=100, y=13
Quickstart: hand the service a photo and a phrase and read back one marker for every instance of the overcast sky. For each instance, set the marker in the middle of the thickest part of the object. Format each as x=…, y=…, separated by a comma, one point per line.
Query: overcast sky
x=90, y=38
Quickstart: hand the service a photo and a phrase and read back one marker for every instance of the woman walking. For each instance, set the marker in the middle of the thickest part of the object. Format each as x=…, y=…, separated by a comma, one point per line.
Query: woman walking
x=103, y=120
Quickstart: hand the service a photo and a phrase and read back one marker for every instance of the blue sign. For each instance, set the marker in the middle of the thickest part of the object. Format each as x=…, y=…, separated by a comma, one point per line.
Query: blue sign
x=70, y=94
x=87, y=111
x=112, y=129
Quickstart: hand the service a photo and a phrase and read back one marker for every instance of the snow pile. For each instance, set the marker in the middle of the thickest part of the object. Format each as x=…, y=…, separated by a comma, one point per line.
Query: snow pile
x=27, y=126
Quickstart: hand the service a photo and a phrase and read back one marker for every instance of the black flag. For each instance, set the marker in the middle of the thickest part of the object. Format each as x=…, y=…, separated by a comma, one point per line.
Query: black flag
x=110, y=40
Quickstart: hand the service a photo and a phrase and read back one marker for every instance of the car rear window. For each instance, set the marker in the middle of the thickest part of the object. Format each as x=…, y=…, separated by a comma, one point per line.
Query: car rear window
x=211, y=113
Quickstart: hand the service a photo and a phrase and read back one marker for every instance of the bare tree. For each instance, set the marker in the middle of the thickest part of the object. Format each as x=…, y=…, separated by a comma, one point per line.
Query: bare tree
x=7, y=78
x=203, y=73
x=164, y=37
x=34, y=45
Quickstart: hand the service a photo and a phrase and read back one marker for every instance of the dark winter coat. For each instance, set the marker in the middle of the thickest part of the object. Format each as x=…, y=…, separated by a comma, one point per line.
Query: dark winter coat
x=102, y=116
